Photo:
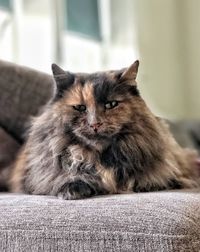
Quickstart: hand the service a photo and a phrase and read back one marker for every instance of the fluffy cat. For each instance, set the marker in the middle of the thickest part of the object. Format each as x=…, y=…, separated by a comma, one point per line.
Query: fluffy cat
x=97, y=136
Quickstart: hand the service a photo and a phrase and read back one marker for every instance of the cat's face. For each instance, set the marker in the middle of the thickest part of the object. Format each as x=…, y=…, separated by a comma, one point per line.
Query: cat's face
x=97, y=106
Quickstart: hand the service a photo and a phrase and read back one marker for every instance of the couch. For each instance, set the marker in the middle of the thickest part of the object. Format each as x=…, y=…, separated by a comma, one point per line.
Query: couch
x=158, y=221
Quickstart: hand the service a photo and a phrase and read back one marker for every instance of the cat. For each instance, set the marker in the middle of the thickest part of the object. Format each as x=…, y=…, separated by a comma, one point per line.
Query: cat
x=97, y=136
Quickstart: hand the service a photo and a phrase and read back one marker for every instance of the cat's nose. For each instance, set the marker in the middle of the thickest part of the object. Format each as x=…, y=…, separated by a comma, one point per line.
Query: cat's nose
x=95, y=126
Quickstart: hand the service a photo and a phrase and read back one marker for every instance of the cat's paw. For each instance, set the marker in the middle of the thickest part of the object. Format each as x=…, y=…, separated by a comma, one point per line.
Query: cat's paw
x=77, y=189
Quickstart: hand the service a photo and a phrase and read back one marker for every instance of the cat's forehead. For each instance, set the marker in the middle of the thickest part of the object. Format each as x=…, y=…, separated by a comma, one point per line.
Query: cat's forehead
x=98, y=86
x=97, y=77
x=91, y=88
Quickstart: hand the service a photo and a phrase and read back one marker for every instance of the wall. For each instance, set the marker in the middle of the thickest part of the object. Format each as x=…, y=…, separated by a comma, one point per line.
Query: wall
x=168, y=40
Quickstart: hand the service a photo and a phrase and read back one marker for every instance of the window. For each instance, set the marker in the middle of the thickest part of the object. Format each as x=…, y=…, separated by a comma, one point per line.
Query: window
x=5, y=4
x=82, y=17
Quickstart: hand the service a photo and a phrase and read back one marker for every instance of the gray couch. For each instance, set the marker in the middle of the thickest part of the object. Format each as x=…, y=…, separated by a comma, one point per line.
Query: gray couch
x=159, y=221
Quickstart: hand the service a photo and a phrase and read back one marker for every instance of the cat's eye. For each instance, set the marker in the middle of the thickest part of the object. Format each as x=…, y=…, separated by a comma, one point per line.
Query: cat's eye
x=80, y=108
x=111, y=104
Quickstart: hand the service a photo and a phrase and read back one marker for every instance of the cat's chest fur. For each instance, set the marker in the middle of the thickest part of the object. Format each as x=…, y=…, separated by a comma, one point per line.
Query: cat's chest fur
x=77, y=159
x=118, y=165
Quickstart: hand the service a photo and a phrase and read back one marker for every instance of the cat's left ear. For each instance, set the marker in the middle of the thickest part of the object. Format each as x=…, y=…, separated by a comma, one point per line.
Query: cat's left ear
x=129, y=74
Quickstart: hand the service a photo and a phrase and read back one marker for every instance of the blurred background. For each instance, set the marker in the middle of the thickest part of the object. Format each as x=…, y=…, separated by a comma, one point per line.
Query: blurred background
x=92, y=35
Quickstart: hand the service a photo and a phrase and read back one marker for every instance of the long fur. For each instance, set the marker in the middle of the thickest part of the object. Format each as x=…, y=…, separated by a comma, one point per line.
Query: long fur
x=132, y=151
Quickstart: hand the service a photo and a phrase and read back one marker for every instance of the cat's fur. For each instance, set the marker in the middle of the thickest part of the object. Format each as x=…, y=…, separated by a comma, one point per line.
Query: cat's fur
x=102, y=150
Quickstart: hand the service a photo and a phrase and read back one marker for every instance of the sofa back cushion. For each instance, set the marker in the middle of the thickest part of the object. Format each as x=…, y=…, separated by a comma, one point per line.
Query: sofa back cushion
x=22, y=92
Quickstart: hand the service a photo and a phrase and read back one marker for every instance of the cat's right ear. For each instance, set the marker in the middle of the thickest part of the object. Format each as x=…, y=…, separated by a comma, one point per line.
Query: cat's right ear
x=63, y=79
x=57, y=70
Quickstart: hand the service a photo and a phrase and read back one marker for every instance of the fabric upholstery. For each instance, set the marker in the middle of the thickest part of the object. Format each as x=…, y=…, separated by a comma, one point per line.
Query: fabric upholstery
x=162, y=221
x=186, y=132
x=22, y=92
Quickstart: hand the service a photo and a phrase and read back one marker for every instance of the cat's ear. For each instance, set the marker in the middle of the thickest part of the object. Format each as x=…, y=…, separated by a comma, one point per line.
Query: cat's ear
x=57, y=70
x=63, y=79
x=129, y=74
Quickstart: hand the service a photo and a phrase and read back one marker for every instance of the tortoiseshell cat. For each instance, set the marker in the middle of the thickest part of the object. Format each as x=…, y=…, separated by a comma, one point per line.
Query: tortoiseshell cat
x=97, y=136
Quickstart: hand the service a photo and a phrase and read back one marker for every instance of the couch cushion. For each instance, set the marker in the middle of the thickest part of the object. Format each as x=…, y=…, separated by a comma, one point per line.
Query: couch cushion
x=161, y=221
x=186, y=132
x=22, y=92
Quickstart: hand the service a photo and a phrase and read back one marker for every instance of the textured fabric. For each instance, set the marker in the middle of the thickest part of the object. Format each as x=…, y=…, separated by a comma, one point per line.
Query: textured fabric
x=22, y=92
x=162, y=221
x=8, y=150
x=186, y=132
